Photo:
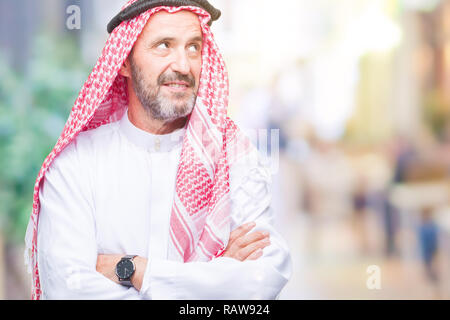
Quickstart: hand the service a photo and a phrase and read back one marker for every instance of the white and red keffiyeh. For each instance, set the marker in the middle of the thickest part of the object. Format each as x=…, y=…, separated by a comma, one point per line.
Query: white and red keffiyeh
x=199, y=222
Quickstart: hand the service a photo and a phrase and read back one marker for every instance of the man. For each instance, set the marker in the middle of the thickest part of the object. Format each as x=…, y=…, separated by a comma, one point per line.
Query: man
x=151, y=191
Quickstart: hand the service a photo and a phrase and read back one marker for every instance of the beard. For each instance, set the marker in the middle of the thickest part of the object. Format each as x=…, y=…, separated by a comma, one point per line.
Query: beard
x=158, y=105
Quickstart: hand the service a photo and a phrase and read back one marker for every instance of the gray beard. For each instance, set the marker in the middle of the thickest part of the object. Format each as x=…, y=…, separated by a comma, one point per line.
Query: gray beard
x=157, y=105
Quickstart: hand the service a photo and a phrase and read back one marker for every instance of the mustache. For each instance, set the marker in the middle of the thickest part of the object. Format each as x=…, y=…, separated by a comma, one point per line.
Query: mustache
x=176, y=76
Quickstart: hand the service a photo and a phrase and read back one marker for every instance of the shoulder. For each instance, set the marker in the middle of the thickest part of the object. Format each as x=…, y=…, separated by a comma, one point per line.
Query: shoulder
x=96, y=137
x=82, y=150
x=251, y=166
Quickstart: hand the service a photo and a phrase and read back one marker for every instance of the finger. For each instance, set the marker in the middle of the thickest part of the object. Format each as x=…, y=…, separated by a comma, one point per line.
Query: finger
x=255, y=255
x=246, y=240
x=242, y=230
x=247, y=251
x=252, y=237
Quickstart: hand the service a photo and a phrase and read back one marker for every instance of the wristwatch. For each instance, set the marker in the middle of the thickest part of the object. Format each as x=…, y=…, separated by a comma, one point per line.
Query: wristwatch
x=125, y=269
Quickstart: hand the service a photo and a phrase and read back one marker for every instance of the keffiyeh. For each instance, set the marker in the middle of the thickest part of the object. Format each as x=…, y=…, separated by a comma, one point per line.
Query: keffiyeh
x=199, y=222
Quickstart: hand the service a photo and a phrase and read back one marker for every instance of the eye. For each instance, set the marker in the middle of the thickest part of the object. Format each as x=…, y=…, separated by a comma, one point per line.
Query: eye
x=163, y=46
x=194, y=48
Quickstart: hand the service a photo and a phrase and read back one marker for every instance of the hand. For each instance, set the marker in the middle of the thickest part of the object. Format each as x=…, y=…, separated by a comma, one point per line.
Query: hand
x=243, y=246
x=106, y=265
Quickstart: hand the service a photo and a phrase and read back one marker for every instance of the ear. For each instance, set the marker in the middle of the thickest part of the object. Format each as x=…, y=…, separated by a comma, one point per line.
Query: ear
x=125, y=70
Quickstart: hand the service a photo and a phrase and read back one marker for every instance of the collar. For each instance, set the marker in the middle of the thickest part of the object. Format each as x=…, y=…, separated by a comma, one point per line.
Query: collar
x=148, y=141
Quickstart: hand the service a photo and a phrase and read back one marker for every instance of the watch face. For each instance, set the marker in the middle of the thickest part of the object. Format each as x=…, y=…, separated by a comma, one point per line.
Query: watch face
x=125, y=269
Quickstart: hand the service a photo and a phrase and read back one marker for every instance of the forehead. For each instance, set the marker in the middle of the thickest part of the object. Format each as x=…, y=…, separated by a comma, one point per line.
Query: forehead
x=177, y=25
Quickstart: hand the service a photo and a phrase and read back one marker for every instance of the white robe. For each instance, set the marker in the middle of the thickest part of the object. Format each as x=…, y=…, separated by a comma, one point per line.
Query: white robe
x=110, y=192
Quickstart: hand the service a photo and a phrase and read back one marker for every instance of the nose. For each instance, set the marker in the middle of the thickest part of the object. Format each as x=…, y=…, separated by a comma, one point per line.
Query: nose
x=181, y=62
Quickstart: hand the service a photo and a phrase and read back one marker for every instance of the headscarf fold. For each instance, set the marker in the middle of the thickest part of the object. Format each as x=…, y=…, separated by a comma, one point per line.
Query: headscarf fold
x=200, y=217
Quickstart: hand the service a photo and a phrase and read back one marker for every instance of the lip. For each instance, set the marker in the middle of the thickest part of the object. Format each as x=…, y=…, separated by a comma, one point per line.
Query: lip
x=180, y=86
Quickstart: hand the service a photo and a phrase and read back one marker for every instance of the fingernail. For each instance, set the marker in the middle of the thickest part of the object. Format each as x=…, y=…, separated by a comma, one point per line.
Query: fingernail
x=265, y=233
x=251, y=224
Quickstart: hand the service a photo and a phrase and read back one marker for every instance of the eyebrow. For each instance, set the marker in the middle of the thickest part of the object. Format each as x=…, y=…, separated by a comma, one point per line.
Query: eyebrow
x=197, y=39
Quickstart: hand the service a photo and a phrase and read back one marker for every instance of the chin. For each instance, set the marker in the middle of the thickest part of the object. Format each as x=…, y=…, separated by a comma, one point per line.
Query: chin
x=172, y=114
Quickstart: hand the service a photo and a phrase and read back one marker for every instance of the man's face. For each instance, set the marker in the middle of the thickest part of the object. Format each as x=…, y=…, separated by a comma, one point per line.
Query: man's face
x=165, y=64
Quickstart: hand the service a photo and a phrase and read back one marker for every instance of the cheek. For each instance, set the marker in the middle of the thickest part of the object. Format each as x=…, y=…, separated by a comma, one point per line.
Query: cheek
x=153, y=67
x=197, y=69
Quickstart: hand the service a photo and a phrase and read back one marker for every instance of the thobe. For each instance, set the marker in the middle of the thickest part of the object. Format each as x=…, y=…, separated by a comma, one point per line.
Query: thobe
x=111, y=191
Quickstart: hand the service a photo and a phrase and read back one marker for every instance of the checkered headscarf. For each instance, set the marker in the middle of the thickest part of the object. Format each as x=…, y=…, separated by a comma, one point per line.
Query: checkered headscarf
x=199, y=222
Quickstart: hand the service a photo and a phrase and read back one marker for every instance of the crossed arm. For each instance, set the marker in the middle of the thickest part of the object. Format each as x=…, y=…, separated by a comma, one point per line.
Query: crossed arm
x=74, y=270
x=242, y=246
x=70, y=266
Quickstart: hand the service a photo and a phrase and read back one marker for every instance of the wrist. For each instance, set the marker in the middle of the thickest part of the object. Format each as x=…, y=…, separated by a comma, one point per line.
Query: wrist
x=139, y=272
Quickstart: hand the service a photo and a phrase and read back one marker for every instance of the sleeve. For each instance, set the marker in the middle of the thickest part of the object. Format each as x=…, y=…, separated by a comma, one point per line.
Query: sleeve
x=66, y=244
x=227, y=278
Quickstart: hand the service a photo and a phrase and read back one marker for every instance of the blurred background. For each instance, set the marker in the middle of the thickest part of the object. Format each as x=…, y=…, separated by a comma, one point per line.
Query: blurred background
x=356, y=93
